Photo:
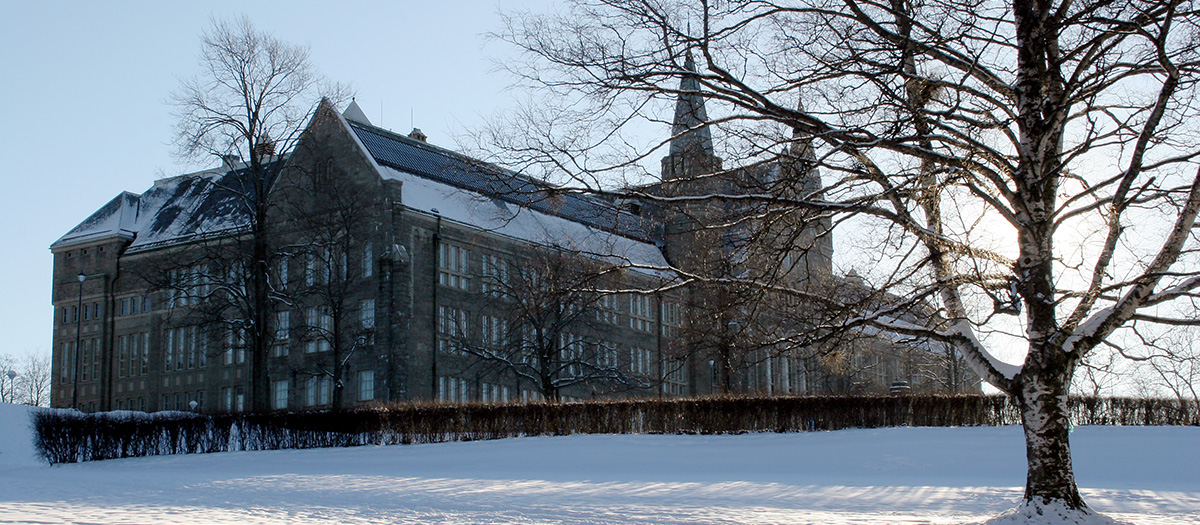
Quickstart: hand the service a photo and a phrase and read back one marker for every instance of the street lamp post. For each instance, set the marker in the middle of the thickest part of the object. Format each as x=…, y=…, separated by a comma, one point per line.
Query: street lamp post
x=12, y=385
x=78, y=337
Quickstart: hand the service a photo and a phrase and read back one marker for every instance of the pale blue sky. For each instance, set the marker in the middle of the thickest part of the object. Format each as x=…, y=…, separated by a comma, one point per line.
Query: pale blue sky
x=85, y=118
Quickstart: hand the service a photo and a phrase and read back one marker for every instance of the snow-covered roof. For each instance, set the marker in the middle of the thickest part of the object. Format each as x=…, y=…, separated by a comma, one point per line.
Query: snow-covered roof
x=499, y=216
x=189, y=207
x=421, y=158
x=117, y=219
x=175, y=209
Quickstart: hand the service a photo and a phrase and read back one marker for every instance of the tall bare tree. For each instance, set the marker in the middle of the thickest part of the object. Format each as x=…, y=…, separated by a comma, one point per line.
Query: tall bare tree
x=326, y=225
x=1025, y=168
x=247, y=107
x=544, y=321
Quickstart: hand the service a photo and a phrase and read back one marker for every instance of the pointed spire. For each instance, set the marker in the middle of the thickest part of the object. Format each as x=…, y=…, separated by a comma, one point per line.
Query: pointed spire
x=690, y=115
x=804, y=157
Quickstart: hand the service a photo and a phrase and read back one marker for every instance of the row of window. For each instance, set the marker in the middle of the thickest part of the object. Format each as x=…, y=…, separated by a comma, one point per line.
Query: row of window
x=70, y=314
x=318, y=390
x=453, y=272
x=317, y=329
x=88, y=357
x=190, y=285
x=459, y=390
x=95, y=310
x=84, y=251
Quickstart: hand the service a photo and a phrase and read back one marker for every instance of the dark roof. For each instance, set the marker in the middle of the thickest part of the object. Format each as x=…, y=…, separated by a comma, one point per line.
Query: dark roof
x=420, y=158
x=176, y=209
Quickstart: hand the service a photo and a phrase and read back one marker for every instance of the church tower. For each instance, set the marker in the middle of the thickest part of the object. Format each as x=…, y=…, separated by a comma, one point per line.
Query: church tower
x=690, y=169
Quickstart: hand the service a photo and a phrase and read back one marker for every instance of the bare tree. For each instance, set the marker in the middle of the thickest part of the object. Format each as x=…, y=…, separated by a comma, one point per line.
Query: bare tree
x=1028, y=169
x=248, y=106
x=545, y=321
x=33, y=381
x=25, y=381
x=327, y=221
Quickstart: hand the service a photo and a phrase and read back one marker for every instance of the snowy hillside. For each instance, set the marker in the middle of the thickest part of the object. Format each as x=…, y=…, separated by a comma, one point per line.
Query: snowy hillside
x=886, y=476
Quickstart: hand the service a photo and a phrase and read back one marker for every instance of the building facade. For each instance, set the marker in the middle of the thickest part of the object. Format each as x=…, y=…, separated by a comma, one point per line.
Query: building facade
x=404, y=271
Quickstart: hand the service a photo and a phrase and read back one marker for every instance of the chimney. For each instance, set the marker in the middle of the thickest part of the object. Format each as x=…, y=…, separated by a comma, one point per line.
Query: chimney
x=265, y=147
x=417, y=134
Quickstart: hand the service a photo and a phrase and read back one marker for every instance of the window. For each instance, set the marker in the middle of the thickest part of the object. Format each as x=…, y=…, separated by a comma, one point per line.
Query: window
x=452, y=328
x=675, y=379
x=368, y=260
x=320, y=326
x=495, y=275
x=283, y=322
x=169, y=354
x=366, y=385
x=671, y=319
x=639, y=313
x=452, y=266
x=85, y=359
x=279, y=394
x=235, y=349
x=452, y=389
x=122, y=356
x=145, y=353
x=493, y=331
x=366, y=314
x=310, y=269
x=640, y=360
x=571, y=352
x=607, y=355
x=316, y=391
x=493, y=393
x=201, y=340
x=610, y=309
x=281, y=272
x=189, y=346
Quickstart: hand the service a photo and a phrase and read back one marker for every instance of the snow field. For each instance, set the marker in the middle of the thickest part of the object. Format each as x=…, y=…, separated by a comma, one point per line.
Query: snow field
x=1144, y=475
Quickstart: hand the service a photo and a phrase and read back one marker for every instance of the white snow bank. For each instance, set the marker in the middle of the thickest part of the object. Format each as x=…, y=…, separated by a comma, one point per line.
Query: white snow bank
x=16, y=438
x=892, y=476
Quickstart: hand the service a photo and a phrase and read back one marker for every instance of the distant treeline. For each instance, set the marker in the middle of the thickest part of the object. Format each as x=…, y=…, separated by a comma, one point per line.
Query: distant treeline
x=66, y=436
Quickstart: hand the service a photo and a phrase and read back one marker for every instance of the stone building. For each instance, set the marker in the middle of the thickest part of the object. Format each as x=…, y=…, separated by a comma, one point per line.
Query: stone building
x=404, y=271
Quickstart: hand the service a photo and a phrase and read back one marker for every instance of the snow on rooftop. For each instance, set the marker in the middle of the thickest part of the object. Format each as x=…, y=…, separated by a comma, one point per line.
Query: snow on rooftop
x=495, y=215
x=117, y=218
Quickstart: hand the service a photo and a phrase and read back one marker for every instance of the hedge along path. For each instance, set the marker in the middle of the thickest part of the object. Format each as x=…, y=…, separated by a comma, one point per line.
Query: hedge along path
x=68, y=436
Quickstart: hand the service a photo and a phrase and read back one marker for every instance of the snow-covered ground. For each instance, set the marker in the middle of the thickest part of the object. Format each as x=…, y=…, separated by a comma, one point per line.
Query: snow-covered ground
x=1145, y=475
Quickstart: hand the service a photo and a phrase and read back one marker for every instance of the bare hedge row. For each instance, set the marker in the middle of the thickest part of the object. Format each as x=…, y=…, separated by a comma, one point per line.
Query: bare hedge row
x=67, y=436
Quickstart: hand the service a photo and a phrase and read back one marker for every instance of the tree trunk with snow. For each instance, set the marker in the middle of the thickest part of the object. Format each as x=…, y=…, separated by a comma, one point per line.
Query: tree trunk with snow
x=1043, y=403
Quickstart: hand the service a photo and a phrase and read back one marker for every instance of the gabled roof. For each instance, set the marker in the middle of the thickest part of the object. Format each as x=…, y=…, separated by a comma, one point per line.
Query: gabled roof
x=420, y=158
x=117, y=219
x=205, y=204
x=175, y=209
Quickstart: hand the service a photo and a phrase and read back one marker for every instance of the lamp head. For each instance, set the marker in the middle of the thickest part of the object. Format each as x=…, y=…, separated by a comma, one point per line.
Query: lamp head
x=82, y=277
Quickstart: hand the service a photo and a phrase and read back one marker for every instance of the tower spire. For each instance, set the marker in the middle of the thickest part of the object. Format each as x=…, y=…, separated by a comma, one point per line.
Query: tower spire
x=689, y=130
x=691, y=150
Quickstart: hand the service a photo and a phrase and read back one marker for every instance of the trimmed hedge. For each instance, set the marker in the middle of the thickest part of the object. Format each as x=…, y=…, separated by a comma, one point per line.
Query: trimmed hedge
x=66, y=436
